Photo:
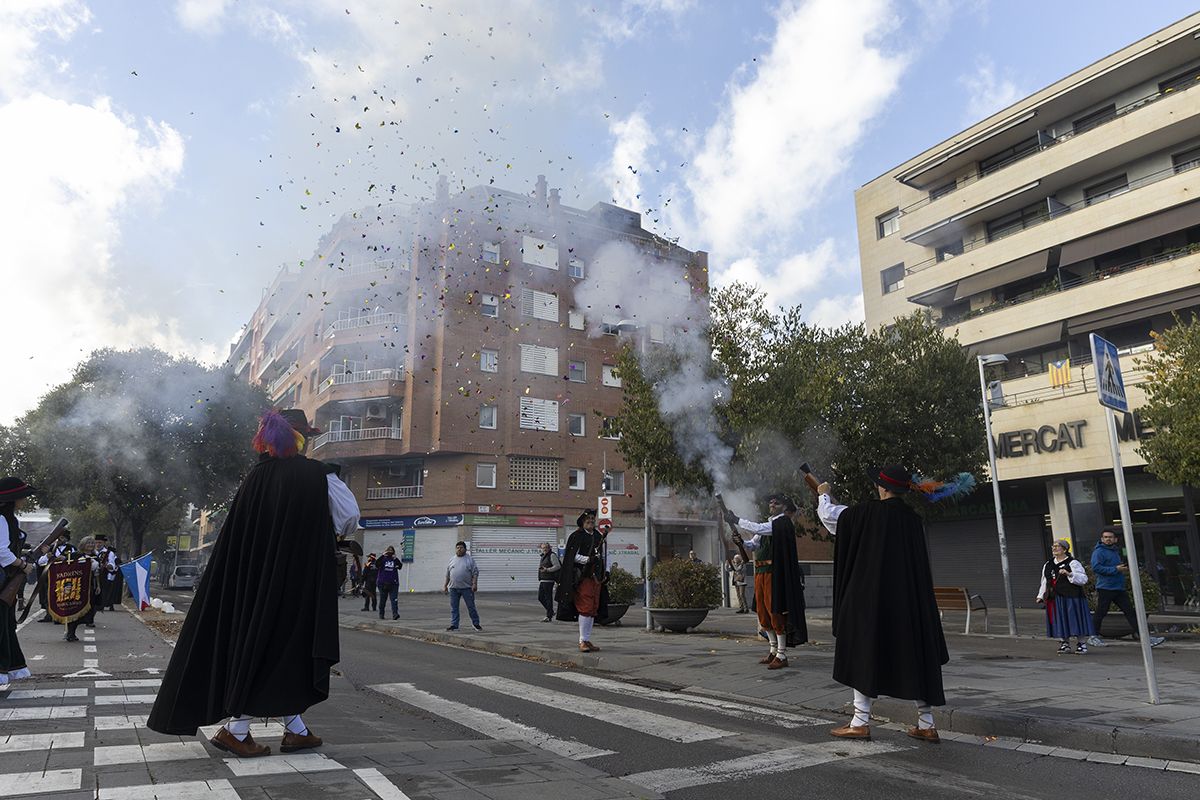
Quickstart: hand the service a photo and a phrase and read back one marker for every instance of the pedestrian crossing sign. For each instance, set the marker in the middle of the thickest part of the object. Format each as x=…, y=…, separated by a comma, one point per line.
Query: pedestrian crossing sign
x=1110, y=386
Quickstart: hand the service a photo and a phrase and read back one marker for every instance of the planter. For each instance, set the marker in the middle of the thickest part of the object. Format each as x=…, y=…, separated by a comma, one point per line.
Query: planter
x=615, y=612
x=678, y=620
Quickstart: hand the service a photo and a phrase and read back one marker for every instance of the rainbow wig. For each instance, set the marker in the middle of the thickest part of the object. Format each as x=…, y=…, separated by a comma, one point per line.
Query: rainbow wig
x=276, y=437
x=961, y=484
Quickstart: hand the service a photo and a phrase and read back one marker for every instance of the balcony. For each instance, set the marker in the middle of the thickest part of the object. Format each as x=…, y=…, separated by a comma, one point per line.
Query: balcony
x=350, y=324
x=358, y=443
x=379, y=265
x=394, y=492
x=361, y=376
x=274, y=386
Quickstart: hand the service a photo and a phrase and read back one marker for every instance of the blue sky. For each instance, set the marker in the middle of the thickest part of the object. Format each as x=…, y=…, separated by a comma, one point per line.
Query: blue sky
x=163, y=159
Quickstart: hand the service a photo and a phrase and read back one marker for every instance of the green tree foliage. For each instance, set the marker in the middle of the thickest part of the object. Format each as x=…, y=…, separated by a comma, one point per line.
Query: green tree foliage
x=133, y=437
x=1173, y=404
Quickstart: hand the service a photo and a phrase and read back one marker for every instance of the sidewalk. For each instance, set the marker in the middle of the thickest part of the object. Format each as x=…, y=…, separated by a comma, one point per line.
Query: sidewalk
x=996, y=685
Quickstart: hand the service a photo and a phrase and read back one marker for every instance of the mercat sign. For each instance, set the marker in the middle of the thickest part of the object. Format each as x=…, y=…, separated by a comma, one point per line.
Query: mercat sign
x=1063, y=436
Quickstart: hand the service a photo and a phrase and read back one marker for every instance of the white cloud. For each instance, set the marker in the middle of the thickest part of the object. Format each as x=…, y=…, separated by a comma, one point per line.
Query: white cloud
x=633, y=140
x=987, y=92
x=800, y=279
x=22, y=24
x=830, y=312
x=201, y=15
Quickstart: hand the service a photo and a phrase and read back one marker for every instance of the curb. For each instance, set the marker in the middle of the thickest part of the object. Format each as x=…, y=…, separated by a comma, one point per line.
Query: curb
x=976, y=721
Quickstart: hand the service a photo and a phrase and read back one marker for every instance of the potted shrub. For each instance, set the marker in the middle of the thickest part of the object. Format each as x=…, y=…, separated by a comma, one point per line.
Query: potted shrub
x=623, y=591
x=683, y=593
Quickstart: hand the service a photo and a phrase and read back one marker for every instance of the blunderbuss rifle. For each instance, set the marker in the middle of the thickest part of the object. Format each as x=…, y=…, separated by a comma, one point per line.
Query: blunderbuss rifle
x=736, y=537
x=15, y=576
x=810, y=480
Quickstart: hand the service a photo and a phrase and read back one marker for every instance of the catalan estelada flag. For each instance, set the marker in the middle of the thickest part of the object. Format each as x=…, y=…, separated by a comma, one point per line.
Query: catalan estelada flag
x=1060, y=372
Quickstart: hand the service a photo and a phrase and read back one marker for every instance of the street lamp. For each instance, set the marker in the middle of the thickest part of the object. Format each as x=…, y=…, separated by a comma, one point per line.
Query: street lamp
x=987, y=361
x=631, y=325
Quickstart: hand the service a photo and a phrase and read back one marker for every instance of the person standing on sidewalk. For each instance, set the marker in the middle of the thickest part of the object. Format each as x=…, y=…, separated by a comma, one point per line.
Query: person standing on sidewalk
x=262, y=633
x=548, y=573
x=370, y=574
x=110, y=590
x=13, y=492
x=1110, y=570
x=778, y=583
x=462, y=581
x=737, y=576
x=582, y=593
x=888, y=632
x=388, y=581
x=1061, y=592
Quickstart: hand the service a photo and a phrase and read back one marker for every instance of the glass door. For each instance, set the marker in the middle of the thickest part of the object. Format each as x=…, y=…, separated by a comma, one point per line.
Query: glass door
x=1173, y=565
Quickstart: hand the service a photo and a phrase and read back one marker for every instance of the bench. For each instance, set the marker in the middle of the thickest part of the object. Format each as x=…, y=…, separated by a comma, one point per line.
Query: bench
x=957, y=598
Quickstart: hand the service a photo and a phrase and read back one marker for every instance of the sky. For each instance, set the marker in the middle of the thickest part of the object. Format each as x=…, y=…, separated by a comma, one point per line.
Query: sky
x=160, y=161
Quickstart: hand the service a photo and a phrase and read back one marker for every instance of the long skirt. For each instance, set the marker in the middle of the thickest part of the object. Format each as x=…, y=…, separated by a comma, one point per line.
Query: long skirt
x=11, y=657
x=1068, y=616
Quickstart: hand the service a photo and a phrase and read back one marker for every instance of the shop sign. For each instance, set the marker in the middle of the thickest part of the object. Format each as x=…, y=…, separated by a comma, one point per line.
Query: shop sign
x=410, y=544
x=418, y=521
x=499, y=520
x=1064, y=436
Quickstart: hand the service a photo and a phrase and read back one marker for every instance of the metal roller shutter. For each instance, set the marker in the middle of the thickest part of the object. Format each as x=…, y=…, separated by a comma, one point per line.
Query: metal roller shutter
x=508, y=557
x=967, y=553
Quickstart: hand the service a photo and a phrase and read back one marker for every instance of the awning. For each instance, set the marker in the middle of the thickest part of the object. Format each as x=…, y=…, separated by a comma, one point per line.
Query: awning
x=1140, y=230
x=935, y=297
x=1133, y=310
x=931, y=232
x=1019, y=342
x=1023, y=267
x=913, y=175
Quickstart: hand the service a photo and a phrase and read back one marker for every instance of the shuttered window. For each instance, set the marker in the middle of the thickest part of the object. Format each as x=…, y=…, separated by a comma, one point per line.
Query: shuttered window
x=541, y=360
x=533, y=474
x=539, y=415
x=575, y=319
x=539, y=252
x=540, y=305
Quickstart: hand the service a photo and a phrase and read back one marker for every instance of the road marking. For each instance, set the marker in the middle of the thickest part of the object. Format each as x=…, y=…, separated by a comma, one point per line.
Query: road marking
x=40, y=741
x=91, y=663
x=188, y=790
x=282, y=764
x=635, y=719
x=41, y=712
x=381, y=786
x=55, y=780
x=144, y=683
x=727, y=707
x=258, y=730
x=122, y=699
x=89, y=638
x=120, y=723
x=45, y=694
x=88, y=672
x=800, y=756
x=148, y=753
x=38, y=658
x=89, y=648
x=490, y=725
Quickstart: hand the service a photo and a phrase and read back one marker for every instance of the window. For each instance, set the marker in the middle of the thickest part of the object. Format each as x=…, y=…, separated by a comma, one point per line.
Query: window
x=943, y=190
x=610, y=325
x=1189, y=159
x=610, y=428
x=485, y=476
x=539, y=305
x=489, y=361
x=539, y=360
x=576, y=479
x=539, y=415
x=1017, y=221
x=491, y=252
x=575, y=319
x=576, y=424
x=950, y=250
x=575, y=268
x=1097, y=117
x=662, y=490
x=577, y=371
x=614, y=482
x=887, y=224
x=1183, y=80
x=609, y=376
x=892, y=278
x=1008, y=155
x=539, y=252
x=487, y=417
x=489, y=305
x=1105, y=189
x=532, y=474
x=658, y=334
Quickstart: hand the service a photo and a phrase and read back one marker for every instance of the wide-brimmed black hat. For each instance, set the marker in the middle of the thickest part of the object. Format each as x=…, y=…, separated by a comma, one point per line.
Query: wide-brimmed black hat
x=587, y=512
x=100, y=537
x=298, y=420
x=12, y=488
x=893, y=477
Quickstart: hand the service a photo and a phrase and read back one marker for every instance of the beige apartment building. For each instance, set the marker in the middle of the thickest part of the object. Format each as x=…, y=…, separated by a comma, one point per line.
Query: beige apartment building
x=1074, y=211
x=462, y=388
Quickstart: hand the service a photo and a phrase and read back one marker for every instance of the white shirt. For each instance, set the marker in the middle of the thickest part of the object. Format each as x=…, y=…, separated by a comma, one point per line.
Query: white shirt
x=342, y=506
x=759, y=529
x=57, y=552
x=1077, y=577
x=7, y=556
x=828, y=512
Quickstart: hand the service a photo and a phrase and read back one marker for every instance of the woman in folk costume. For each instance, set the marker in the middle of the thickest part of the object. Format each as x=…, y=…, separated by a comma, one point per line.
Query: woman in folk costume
x=262, y=632
x=13, y=492
x=1067, y=612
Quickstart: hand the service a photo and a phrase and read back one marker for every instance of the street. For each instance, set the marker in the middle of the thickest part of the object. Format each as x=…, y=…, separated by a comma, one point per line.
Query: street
x=419, y=720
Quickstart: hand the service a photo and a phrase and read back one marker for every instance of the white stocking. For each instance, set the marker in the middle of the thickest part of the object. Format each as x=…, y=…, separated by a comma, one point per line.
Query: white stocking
x=862, y=709
x=924, y=715
x=585, y=628
x=239, y=727
x=295, y=725
x=771, y=641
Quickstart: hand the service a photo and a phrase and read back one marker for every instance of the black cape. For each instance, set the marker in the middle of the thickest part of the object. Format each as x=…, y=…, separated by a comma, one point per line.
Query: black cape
x=580, y=541
x=885, y=617
x=787, y=581
x=262, y=632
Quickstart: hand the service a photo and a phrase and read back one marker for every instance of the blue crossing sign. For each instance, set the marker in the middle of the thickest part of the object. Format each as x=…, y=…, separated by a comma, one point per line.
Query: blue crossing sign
x=1110, y=386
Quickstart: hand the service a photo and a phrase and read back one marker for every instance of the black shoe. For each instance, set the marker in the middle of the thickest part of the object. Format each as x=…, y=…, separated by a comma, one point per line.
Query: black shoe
x=476, y=626
x=364, y=608
x=46, y=618
x=395, y=616
x=547, y=619
x=452, y=628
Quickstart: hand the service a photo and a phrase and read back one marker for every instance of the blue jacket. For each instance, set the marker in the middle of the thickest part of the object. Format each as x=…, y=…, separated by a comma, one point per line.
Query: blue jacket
x=1104, y=564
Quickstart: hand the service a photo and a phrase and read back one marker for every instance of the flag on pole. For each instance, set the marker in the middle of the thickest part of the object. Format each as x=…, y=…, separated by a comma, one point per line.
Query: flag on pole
x=137, y=578
x=1060, y=372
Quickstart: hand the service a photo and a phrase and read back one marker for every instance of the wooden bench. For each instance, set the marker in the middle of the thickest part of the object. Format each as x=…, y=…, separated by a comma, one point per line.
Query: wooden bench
x=957, y=598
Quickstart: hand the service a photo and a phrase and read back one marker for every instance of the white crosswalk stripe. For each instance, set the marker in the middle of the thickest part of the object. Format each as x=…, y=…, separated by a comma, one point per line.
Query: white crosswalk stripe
x=187, y=790
x=634, y=719
x=41, y=712
x=19, y=742
x=46, y=694
x=122, y=699
x=281, y=765
x=15, y=784
x=148, y=753
x=141, y=683
x=119, y=723
x=381, y=786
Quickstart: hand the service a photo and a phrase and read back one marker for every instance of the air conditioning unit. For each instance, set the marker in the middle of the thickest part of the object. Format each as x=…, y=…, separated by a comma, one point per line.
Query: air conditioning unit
x=376, y=411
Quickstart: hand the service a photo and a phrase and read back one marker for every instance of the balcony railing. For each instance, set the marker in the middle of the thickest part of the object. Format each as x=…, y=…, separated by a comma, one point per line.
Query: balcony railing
x=380, y=265
x=274, y=386
x=1046, y=144
x=356, y=435
x=364, y=321
x=384, y=374
x=1061, y=210
x=393, y=492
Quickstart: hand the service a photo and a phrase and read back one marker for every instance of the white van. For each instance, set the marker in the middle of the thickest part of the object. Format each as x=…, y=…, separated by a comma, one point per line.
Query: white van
x=182, y=577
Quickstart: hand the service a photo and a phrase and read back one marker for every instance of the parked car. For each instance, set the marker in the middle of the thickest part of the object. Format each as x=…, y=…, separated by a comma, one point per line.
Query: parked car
x=182, y=577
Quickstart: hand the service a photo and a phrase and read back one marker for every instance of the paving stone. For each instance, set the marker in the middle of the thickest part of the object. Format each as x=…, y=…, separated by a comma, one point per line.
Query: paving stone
x=1148, y=763
x=1106, y=758
x=1183, y=766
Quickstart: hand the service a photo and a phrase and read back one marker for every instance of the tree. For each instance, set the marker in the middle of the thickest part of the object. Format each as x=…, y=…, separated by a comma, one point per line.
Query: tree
x=1173, y=404
x=134, y=436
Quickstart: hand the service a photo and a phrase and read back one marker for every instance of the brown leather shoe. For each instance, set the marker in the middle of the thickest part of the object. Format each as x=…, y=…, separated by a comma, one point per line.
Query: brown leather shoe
x=294, y=741
x=247, y=748
x=588, y=647
x=778, y=663
x=852, y=732
x=925, y=734
x=767, y=659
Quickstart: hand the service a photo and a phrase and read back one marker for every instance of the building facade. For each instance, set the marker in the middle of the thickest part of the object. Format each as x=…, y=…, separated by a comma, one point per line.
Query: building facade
x=462, y=388
x=1071, y=212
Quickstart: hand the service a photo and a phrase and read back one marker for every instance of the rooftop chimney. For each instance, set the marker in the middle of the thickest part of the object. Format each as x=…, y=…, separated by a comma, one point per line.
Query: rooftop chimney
x=443, y=189
x=539, y=192
x=554, y=202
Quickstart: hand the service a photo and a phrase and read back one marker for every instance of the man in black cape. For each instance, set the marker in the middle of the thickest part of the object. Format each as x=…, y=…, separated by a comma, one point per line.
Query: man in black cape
x=778, y=582
x=583, y=590
x=885, y=618
x=262, y=632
